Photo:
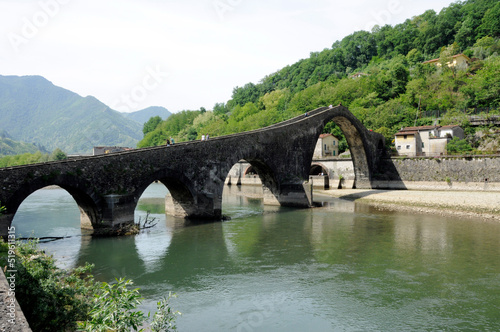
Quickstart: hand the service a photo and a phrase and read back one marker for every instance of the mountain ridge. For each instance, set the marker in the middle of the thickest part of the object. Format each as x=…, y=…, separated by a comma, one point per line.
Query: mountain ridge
x=34, y=110
x=142, y=116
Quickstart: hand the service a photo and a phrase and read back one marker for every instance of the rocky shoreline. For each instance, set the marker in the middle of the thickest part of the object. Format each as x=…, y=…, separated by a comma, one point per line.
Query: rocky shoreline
x=471, y=204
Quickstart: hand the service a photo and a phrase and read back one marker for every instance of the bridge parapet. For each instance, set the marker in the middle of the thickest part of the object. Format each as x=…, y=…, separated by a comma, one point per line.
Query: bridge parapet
x=108, y=187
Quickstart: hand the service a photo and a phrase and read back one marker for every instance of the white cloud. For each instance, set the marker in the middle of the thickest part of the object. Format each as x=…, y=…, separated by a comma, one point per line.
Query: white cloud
x=103, y=48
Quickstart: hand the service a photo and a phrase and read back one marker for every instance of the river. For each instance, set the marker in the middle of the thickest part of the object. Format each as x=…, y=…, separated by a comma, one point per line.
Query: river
x=341, y=267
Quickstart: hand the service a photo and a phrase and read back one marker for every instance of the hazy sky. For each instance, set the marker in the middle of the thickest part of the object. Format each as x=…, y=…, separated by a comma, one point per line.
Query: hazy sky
x=132, y=54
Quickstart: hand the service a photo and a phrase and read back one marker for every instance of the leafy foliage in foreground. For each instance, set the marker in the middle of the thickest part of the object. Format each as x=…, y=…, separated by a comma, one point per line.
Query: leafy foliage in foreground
x=395, y=88
x=57, y=300
x=52, y=299
x=112, y=308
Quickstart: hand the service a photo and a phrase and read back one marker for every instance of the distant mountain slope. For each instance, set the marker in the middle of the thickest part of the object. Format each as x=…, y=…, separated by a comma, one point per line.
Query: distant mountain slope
x=144, y=115
x=11, y=147
x=34, y=110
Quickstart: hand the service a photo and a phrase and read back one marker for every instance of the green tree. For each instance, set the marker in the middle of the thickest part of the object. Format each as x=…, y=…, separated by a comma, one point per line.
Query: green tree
x=399, y=75
x=243, y=95
x=457, y=145
x=58, y=154
x=490, y=25
x=151, y=124
x=192, y=134
x=483, y=89
x=414, y=56
x=220, y=109
x=465, y=35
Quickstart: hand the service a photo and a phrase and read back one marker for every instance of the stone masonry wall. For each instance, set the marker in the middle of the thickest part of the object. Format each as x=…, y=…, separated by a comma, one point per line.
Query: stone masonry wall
x=458, y=169
x=459, y=173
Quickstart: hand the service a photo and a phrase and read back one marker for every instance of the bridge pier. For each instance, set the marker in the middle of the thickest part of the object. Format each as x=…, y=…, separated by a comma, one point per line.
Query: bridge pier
x=5, y=222
x=292, y=195
x=117, y=215
x=295, y=195
x=204, y=207
x=269, y=197
x=363, y=184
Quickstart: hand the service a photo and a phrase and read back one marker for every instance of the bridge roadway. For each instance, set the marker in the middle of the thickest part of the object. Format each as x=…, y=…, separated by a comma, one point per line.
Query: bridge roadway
x=107, y=188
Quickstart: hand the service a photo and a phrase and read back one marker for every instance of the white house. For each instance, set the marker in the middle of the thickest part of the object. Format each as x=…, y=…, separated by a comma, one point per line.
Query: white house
x=459, y=61
x=327, y=146
x=426, y=140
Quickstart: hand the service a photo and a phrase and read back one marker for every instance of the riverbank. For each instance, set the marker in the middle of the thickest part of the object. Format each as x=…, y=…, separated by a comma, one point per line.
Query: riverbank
x=473, y=204
x=11, y=316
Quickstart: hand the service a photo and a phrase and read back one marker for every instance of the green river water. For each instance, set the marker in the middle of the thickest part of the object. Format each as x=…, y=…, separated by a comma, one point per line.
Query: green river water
x=340, y=267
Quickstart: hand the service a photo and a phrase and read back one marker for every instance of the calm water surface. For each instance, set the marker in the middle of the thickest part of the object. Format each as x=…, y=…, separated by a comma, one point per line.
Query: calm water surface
x=341, y=267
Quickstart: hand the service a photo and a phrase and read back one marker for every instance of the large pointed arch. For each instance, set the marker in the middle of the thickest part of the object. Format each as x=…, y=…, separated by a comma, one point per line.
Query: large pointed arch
x=366, y=146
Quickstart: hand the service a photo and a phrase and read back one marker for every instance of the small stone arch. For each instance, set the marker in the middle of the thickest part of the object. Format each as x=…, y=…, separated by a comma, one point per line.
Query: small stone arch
x=181, y=201
x=270, y=185
x=317, y=169
x=249, y=171
x=260, y=168
x=321, y=174
x=90, y=214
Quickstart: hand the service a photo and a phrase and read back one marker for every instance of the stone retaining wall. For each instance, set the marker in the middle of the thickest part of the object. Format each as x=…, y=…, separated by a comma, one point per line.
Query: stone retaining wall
x=443, y=173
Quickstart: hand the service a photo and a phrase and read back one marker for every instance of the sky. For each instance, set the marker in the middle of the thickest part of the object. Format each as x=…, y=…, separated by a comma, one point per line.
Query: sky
x=181, y=55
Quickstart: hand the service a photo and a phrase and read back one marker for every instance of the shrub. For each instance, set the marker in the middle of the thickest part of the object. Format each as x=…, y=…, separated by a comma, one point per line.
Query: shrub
x=52, y=299
x=457, y=145
x=112, y=308
x=164, y=318
x=57, y=300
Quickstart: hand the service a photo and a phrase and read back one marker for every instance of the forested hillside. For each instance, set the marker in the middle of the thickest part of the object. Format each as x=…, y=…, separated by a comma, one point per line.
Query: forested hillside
x=393, y=88
x=34, y=110
x=10, y=147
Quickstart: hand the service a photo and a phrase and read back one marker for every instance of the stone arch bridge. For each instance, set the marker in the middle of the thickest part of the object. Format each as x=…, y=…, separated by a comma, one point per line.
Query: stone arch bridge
x=108, y=187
